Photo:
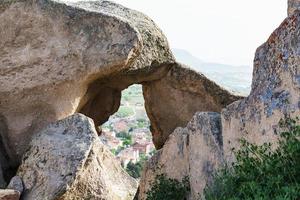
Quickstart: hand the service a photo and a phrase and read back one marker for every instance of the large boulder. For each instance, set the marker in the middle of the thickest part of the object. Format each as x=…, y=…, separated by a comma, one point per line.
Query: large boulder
x=53, y=55
x=66, y=160
x=275, y=90
x=60, y=58
x=172, y=101
x=194, y=152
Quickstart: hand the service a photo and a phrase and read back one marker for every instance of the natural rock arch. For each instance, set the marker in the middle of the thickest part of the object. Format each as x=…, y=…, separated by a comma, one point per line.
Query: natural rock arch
x=57, y=59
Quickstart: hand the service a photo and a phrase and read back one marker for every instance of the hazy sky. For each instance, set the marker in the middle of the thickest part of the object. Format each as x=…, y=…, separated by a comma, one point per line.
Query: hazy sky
x=225, y=31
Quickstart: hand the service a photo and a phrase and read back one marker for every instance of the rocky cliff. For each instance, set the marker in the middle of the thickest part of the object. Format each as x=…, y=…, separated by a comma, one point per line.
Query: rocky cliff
x=275, y=90
x=194, y=152
x=66, y=160
x=60, y=58
x=274, y=96
x=57, y=59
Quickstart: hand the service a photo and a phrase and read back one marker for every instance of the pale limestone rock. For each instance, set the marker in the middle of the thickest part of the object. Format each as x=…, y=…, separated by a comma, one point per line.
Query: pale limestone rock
x=51, y=54
x=275, y=90
x=293, y=5
x=66, y=160
x=8, y=194
x=194, y=152
x=172, y=101
x=57, y=59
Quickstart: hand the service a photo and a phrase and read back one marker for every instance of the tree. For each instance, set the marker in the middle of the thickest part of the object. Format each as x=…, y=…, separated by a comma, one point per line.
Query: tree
x=134, y=170
x=168, y=189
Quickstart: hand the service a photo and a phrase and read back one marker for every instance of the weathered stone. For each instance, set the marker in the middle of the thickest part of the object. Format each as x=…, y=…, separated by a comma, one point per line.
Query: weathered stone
x=194, y=152
x=60, y=58
x=52, y=53
x=293, y=5
x=66, y=160
x=8, y=194
x=172, y=101
x=275, y=90
x=16, y=184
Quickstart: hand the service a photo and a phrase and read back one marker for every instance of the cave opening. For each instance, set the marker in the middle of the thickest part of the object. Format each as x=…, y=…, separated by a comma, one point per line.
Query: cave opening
x=127, y=132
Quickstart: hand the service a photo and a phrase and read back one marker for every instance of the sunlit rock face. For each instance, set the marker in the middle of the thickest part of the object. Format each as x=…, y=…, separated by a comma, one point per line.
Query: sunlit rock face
x=293, y=5
x=66, y=160
x=52, y=55
x=193, y=152
x=173, y=100
x=275, y=90
x=57, y=59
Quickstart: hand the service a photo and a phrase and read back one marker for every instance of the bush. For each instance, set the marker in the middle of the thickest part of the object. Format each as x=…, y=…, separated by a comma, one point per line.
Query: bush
x=165, y=188
x=134, y=170
x=262, y=172
x=127, y=140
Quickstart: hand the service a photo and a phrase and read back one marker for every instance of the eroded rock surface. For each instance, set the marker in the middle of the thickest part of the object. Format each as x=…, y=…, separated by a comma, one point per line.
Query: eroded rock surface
x=194, y=152
x=66, y=160
x=57, y=59
x=275, y=90
x=172, y=101
x=51, y=54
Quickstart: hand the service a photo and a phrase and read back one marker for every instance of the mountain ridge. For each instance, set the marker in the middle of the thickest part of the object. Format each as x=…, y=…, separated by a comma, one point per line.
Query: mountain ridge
x=234, y=78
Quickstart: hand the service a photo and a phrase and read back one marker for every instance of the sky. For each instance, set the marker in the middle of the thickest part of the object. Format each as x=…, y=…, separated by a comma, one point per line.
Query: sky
x=223, y=31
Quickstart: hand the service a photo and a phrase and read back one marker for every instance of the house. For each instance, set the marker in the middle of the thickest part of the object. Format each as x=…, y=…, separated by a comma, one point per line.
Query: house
x=139, y=136
x=107, y=133
x=128, y=155
x=121, y=126
x=144, y=147
x=111, y=141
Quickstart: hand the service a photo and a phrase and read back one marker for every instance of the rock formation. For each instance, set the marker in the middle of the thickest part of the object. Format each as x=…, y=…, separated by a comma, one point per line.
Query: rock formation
x=274, y=96
x=173, y=100
x=194, y=152
x=275, y=90
x=52, y=55
x=66, y=160
x=57, y=59
x=293, y=5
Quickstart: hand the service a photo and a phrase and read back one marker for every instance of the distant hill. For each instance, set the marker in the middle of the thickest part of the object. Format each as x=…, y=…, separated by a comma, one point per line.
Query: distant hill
x=234, y=78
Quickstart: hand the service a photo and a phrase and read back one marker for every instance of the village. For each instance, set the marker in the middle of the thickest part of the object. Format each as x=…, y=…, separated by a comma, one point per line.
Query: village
x=127, y=133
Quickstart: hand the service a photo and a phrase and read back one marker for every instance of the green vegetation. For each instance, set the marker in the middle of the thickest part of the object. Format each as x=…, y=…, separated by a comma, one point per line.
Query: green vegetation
x=127, y=141
x=168, y=189
x=133, y=95
x=124, y=111
x=134, y=170
x=262, y=172
x=141, y=123
x=126, y=138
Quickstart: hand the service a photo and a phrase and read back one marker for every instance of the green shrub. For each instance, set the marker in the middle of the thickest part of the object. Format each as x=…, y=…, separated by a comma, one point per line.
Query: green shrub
x=262, y=172
x=165, y=188
x=134, y=170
